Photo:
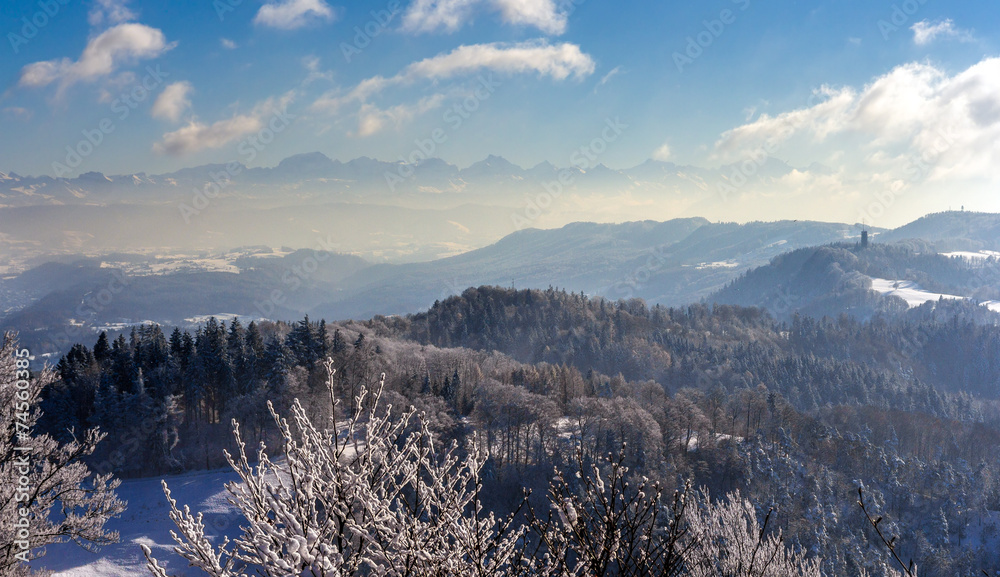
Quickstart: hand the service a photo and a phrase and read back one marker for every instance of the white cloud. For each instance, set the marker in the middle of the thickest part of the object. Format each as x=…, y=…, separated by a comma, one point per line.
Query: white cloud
x=313, y=65
x=371, y=119
x=924, y=32
x=915, y=119
x=292, y=14
x=817, y=121
x=196, y=135
x=556, y=61
x=227, y=44
x=172, y=101
x=450, y=15
x=604, y=79
x=429, y=15
x=109, y=12
x=18, y=113
x=199, y=136
x=541, y=14
x=662, y=153
x=103, y=55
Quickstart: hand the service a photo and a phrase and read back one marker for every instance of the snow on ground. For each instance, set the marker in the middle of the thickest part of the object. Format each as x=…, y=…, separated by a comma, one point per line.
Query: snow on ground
x=908, y=290
x=719, y=264
x=983, y=254
x=146, y=522
x=719, y=437
x=916, y=296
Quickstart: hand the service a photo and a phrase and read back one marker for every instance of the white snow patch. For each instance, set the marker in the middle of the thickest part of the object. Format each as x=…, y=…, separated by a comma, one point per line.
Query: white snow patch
x=981, y=255
x=719, y=437
x=145, y=522
x=908, y=290
x=718, y=264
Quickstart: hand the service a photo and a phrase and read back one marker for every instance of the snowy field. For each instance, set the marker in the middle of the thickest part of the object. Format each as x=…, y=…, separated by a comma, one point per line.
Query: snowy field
x=908, y=290
x=915, y=296
x=146, y=522
x=972, y=256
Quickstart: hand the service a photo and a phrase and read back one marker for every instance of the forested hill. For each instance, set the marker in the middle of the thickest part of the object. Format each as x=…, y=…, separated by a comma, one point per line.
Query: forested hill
x=916, y=362
x=951, y=230
x=794, y=414
x=834, y=279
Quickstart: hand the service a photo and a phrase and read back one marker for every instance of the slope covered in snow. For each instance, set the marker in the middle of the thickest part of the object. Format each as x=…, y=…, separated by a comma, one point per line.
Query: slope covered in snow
x=146, y=522
x=907, y=290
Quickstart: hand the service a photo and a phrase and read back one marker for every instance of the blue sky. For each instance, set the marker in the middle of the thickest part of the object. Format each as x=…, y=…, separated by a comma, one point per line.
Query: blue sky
x=824, y=82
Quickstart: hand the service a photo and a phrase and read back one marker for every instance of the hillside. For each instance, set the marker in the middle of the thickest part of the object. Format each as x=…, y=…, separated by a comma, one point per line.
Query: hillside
x=835, y=279
x=670, y=263
x=951, y=231
x=722, y=395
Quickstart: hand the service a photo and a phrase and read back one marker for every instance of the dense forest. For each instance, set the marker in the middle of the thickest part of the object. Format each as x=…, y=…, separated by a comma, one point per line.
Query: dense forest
x=795, y=414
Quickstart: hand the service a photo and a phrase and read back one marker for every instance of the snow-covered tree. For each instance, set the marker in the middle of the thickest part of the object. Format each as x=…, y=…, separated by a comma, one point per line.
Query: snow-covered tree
x=47, y=493
x=728, y=540
x=599, y=524
x=373, y=495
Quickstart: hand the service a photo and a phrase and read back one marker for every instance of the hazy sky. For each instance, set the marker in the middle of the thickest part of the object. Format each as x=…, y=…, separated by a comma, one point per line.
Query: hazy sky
x=880, y=93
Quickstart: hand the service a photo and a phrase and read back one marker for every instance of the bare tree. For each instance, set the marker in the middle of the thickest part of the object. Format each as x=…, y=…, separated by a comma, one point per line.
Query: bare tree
x=47, y=493
x=601, y=525
x=729, y=541
x=373, y=497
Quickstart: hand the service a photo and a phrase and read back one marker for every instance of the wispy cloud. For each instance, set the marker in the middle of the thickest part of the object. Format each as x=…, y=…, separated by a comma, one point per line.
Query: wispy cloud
x=607, y=77
x=18, y=113
x=313, y=65
x=292, y=14
x=104, y=54
x=197, y=136
x=372, y=119
x=172, y=101
x=227, y=44
x=663, y=153
x=450, y=15
x=556, y=61
x=924, y=32
x=109, y=12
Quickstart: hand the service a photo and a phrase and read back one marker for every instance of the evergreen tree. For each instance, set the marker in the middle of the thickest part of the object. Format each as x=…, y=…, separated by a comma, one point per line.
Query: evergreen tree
x=339, y=345
x=102, y=350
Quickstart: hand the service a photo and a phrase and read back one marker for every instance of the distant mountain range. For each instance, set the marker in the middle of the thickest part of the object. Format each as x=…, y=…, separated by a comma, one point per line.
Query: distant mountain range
x=789, y=267
x=383, y=211
x=365, y=179
x=672, y=262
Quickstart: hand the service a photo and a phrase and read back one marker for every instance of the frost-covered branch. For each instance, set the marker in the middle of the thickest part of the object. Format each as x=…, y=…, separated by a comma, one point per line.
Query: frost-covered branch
x=377, y=497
